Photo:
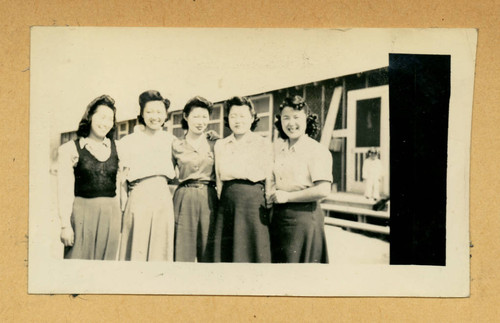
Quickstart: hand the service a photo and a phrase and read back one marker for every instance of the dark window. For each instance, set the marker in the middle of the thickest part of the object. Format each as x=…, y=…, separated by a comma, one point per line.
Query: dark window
x=261, y=104
x=368, y=123
x=178, y=132
x=177, y=117
x=263, y=124
x=215, y=113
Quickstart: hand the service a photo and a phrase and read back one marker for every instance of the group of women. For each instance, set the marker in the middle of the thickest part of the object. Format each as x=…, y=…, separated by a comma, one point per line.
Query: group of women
x=239, y=199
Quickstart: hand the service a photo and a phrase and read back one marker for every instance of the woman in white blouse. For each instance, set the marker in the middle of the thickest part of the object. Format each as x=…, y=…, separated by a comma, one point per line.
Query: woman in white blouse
x=303, y=176
x=243, y=166
x=148, y=221
x=87, y=186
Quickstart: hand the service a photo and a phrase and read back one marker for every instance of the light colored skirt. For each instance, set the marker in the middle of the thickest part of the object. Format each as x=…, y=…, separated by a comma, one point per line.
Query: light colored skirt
x=148, y=222
x=96, y=223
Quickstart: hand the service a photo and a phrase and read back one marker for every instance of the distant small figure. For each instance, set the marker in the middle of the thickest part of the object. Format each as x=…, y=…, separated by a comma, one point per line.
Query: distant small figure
x=372, y=174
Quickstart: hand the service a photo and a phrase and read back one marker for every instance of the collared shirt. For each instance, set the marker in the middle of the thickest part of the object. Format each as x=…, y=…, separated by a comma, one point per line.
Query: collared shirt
x=299, y=166
x=144, y=155
x=194, y=163
x=68, y=154
x=249, y=158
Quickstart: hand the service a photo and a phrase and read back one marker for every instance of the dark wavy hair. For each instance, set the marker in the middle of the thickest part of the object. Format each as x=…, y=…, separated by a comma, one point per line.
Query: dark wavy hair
x=148, y=96
x=196, y=102
x=372, y=151
x=297, y=103
x=85, y=122
x=240, y=100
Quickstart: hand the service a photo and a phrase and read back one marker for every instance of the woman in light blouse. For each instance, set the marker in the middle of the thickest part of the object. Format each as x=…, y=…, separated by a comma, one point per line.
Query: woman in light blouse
x=87, y=186
x=195, y=199
x=243, y=164
x=148, y=221
x=303, y=176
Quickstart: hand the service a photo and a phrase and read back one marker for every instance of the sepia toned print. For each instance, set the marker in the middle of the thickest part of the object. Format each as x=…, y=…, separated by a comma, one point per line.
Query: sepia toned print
x=362, y=232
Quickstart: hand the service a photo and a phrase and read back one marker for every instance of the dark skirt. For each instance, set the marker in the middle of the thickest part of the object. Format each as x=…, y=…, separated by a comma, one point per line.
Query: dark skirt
x=298, y=234
x=241, y=228
x=96, y=223
x=195, y=207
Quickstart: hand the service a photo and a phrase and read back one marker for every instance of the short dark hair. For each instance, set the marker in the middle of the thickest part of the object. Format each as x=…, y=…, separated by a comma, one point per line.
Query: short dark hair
x=372, y=151
x=148, y=96
x=85, y=122
x=298, y=103
x=196, y=102
x=240, y=100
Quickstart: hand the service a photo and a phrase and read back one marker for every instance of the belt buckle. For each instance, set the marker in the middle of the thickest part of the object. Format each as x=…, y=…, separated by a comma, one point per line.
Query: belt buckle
x=195, y=185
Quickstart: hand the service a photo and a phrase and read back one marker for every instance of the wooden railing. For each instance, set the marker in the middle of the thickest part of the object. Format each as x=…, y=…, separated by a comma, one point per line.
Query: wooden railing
x=361, y=213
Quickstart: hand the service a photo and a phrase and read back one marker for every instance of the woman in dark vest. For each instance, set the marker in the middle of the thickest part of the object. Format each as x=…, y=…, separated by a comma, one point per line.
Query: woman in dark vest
x=87, y=184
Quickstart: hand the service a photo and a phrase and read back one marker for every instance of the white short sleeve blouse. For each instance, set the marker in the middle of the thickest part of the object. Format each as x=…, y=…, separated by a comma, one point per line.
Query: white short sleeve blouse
x=298, y=167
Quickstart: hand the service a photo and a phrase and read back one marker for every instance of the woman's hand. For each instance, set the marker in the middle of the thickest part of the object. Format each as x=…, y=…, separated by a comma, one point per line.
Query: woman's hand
x=212, y=135
x=319, y=191
x=269, y=201
x=280, y=197
x=67, y=236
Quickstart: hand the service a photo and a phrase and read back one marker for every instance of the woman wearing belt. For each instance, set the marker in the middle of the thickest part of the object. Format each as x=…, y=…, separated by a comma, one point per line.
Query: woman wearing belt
x=303, y=175
x=87, y=186
x=195, y=199
x=148, y=221
x=243, y=163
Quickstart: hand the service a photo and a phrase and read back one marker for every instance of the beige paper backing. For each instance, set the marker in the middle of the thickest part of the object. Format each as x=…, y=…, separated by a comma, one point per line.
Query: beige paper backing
x=17, y=17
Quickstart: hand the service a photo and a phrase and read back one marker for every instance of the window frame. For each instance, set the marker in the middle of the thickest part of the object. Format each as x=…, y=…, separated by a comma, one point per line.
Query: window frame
x=119, y=132
x=220, y=120
x=173, y=125
x=269, y=133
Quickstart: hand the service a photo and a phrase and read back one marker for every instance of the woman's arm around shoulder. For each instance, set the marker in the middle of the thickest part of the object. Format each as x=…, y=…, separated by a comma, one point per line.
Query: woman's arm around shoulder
x=121, y=176
x=218, y=181
x=212, y=135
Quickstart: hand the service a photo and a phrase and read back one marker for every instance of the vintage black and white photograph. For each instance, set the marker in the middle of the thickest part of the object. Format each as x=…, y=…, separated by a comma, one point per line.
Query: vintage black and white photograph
x=204, y=161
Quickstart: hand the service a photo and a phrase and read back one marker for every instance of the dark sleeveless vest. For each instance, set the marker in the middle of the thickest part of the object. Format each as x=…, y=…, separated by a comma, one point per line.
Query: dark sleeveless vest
x=94, y=178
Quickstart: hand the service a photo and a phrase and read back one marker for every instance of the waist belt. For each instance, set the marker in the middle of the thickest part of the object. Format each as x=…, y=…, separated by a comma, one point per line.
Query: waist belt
x=131, y=184
x=196, y=183
x=243, y=181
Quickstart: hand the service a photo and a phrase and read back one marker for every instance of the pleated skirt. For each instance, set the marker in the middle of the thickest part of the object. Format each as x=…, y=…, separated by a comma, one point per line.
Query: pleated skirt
x=96, y=223
x=148, y=222
x=298, y=233
x=241, y=227
x=195, y=209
